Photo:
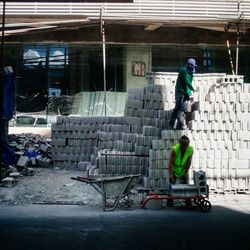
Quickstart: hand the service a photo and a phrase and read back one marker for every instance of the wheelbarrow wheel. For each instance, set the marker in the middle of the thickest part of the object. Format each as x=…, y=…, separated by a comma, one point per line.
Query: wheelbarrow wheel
x=205, y=206
x=126, y=201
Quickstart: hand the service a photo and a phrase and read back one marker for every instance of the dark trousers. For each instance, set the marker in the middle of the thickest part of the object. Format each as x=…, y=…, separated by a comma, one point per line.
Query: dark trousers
x=183, y=179
x=180, y=110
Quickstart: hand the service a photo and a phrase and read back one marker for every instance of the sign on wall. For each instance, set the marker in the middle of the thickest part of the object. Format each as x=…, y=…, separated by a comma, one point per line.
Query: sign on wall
x=138, y=68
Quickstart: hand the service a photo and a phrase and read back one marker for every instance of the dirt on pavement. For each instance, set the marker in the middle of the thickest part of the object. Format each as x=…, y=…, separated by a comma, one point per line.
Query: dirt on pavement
x=50, y=186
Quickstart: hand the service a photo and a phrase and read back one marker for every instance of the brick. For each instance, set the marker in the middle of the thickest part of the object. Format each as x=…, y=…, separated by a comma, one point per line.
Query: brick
x=244, y=154
x=22, y=161
x=242, y=173
x=8, y=181
x=236, y=163
x=15, y=175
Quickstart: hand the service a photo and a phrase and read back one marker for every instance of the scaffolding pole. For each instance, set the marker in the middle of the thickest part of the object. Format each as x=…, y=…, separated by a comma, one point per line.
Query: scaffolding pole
x=102, y=27
x=1, y=87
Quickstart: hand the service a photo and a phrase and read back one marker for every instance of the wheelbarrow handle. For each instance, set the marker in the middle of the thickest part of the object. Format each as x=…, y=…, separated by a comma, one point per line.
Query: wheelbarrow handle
x=82, y=178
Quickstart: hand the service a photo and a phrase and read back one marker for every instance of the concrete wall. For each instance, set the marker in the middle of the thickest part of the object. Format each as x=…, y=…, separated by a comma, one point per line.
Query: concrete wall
x=136, y=53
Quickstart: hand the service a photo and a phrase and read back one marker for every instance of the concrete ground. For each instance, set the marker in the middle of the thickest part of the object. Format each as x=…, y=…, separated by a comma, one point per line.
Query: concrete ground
x=51, y=211
x=45, y=227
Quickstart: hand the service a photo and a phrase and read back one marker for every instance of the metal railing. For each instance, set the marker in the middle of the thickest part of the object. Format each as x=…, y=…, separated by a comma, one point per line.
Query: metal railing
x=139, y=9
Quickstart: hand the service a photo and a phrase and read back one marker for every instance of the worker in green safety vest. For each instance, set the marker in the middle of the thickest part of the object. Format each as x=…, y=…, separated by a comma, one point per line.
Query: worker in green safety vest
x=179, y=163
x=180, y=160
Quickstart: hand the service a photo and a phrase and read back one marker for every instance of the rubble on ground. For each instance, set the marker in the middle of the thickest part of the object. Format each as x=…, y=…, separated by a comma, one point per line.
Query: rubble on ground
x=32, y=151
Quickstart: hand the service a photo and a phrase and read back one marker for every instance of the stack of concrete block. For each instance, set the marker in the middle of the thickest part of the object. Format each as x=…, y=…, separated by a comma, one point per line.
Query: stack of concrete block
x=199, y=188
x=200, y=181
x=219, y=133
x=75, y=139
x=184, y=190
x=120, y=163
x=167, y=82
x=158, y=174
x=148, y=104
x=221, y=128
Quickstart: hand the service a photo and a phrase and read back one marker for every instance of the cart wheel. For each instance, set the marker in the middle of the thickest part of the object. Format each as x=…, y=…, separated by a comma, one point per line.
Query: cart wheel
x=205, y=206
x=197, y=201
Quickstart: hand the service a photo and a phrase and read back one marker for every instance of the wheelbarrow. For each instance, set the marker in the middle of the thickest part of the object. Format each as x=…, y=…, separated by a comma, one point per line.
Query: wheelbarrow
x=117, y=187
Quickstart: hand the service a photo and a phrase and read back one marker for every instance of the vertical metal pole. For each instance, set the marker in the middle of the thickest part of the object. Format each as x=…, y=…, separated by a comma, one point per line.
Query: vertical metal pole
x=1, y=87
x=104, y=60
x=104, y=69
x=230, y=57
x=237, y=49
x=238, y=37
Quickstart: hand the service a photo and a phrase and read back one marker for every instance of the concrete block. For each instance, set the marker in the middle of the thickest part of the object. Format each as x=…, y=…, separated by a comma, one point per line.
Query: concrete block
x=233, y=97
x=242, y=173
x=43, y=162
x=211, y=97
x=193, y=125
x=8, y=182
x=243, y=154
x=15, y=175
x=243, y=134
x=154, y=204
x=166, y=134
x=59, y=142
x=136, y=94
x=22, y=161
x=30, y=171
x=224, y=154
x=237, y=164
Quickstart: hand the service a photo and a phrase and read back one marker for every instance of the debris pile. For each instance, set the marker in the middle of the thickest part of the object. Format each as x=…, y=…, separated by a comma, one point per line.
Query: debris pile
x=31, y=151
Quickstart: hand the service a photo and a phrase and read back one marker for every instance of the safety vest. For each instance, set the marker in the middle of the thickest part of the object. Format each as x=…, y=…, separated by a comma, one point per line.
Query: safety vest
x=181, y=164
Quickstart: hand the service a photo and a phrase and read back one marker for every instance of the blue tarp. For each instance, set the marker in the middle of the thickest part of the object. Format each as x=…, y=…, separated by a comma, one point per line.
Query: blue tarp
x=9, y=155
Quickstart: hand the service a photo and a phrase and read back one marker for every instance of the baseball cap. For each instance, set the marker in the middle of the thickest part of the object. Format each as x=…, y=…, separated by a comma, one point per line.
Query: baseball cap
x=192, y=62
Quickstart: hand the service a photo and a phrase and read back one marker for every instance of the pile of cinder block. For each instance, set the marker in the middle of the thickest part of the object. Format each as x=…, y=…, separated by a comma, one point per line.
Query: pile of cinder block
x=31, y=151
x=140, y=141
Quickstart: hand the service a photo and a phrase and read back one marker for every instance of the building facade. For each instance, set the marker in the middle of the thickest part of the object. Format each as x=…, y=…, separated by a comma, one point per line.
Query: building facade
x=58, y=47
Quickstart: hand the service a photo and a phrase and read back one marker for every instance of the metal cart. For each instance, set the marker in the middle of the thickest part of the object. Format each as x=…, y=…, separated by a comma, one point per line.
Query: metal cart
x=201, y=201
x=117, y=187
